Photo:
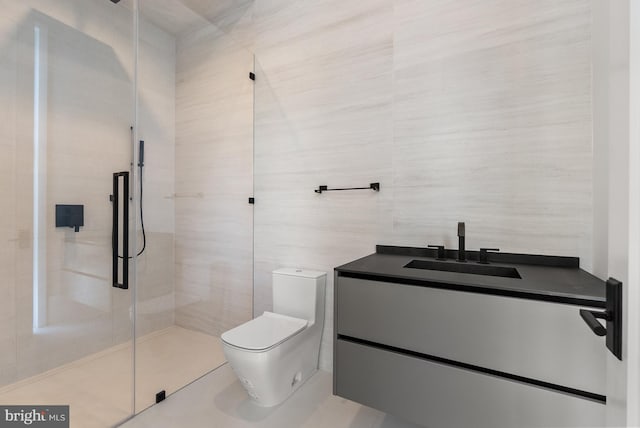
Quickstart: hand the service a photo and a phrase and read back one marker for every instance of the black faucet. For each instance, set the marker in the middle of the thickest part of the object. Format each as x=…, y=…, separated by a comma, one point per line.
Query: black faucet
x=462, y=256
x=441, y=251
x=483, y=258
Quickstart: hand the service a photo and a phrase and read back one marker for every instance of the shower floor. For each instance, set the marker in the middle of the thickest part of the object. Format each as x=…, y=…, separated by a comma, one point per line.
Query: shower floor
x=99, y=387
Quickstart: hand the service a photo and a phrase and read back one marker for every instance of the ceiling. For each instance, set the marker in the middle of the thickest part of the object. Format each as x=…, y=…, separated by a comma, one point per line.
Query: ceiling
x=175, y=16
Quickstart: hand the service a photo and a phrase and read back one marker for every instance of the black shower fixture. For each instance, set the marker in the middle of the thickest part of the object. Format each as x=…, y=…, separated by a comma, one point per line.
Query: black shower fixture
x=70, y=216
x=115, y=1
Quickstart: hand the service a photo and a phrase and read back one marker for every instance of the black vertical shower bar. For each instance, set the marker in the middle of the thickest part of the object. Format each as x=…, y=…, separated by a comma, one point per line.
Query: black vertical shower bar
x=115, y=243
x=115, y=237
x=125, y=232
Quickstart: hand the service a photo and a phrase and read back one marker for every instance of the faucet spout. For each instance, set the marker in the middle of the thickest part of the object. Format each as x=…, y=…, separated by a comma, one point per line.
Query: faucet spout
x=462, y=256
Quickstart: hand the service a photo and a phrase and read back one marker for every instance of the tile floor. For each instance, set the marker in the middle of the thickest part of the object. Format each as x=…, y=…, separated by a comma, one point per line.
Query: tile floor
x=217, y=400
x=98, y=387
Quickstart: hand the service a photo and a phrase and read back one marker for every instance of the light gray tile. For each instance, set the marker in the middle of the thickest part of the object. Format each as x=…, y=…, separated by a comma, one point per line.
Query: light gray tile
x=89, y=115
x=323, y=117
x=492, y=125
x=219, y=398
x=214, y=178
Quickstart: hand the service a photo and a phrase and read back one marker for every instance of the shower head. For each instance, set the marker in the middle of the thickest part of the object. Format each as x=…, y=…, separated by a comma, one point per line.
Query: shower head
x=115, y=1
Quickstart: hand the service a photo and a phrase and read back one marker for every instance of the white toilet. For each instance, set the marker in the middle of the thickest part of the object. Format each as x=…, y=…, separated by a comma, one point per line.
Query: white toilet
x=275, y=353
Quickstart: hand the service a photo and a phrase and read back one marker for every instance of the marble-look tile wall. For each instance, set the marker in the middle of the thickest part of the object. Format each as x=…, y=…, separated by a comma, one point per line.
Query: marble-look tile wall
x=86, y=114
x=323, y=117
x=155, y=296
x=492, y=125
x=8, y=232
x=463, y=110
x=214, y=179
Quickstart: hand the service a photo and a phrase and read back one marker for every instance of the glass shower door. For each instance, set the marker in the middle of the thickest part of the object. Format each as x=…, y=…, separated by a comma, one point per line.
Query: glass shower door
x=195, y=116
x=66, y=84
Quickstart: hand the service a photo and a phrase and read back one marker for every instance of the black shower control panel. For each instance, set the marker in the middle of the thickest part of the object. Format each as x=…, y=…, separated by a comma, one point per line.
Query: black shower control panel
x=70, y=216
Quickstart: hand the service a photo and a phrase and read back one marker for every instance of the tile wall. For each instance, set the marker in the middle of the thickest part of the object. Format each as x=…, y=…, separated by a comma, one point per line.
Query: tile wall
x=475, y=111
x=214, y=179
x=85, y=115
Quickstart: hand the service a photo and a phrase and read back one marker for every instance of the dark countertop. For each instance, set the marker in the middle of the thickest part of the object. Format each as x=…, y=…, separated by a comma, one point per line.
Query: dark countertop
x=543, y=277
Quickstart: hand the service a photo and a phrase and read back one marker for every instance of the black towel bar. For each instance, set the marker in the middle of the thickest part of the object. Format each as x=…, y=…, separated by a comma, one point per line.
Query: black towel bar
x=372, y=186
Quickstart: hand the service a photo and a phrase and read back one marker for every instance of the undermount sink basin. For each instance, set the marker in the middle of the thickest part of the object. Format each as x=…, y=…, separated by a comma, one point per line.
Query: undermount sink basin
x=475, y=269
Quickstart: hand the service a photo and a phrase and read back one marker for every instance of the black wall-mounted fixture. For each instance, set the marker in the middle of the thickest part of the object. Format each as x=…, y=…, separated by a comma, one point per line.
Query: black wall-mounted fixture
x=372, y=186
x=612, y=315
x=70, y=216
x=115, y=230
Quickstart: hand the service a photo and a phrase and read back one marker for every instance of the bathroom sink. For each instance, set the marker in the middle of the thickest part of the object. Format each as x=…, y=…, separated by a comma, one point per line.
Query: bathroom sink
x=475, y=269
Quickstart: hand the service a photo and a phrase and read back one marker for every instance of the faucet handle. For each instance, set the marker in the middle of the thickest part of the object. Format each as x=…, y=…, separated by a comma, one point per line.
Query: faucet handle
x=484, y=255
x=441, y=252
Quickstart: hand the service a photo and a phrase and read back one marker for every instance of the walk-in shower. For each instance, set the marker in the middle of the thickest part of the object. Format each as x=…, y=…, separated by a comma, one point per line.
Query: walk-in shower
x=123, y=259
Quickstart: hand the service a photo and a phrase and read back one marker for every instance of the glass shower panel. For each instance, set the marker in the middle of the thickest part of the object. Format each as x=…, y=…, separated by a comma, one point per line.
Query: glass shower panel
x=195, y=116
x=67, y=85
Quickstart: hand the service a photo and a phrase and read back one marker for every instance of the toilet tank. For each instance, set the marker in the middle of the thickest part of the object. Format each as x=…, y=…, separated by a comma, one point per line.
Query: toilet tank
x=299, y=293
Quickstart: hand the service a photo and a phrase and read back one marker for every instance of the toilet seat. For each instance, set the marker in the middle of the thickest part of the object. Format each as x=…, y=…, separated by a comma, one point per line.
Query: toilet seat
x=264, y=332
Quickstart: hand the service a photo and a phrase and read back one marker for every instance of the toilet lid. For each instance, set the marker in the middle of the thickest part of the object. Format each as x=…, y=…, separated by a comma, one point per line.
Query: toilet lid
x=264, y=332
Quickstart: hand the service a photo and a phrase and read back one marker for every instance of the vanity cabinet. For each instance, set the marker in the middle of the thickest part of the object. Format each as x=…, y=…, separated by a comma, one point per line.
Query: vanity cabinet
x=443, y=396
x=450, y=358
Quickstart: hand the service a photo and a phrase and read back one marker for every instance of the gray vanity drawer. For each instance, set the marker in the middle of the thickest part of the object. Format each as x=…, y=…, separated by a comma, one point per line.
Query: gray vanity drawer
x=538, y=340
x=442, y=396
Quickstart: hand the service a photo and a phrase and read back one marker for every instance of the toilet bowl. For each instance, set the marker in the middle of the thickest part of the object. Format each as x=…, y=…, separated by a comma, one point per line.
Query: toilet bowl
x=275, y=353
